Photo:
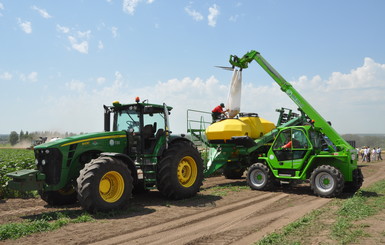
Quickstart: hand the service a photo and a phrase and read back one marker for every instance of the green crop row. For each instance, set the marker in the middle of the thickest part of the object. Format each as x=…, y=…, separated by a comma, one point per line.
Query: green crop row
x=13, y=160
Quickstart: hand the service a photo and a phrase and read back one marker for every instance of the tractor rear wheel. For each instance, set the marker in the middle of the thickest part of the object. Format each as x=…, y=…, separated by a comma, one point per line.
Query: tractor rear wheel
x=260, y=177
x=326, y=181
x=180, y=171
x=104, y=184
x=64, y=196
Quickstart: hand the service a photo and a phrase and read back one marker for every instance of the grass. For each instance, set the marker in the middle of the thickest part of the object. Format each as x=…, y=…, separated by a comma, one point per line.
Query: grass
x=13, y=160
x=337, y=220
x=47, y=222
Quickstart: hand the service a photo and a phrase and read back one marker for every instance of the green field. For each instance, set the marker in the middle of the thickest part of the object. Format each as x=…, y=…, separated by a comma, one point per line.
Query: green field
x=12, y=160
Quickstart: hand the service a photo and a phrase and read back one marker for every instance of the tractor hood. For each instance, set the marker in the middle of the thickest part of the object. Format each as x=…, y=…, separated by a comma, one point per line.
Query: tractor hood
x=84, y=139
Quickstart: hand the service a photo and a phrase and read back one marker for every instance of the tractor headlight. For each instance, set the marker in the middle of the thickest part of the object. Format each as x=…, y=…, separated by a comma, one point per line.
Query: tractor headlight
x=43, y=162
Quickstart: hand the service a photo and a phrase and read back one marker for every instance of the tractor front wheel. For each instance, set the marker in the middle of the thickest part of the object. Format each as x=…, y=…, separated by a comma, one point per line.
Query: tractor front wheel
x=104, y=184
x=180, y=171
x=64, y=196
x=326, y=181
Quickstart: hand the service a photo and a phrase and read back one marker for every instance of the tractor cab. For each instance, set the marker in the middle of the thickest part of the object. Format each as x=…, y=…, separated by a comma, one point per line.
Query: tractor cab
x=145, y=124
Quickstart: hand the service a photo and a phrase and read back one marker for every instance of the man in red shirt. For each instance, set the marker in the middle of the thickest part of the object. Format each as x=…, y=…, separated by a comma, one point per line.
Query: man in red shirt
x=217, y=111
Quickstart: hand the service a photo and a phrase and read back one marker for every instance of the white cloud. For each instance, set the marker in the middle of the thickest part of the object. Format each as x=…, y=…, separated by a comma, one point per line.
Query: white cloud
x=213, y=15
x=234, y=18
x=62, y=29
x=129, y=6
x=100, y=80
x=84, y=34
x=6, y=76
x=31, y=77
x=81, y=47
x=26, y=26
x=1, y=8
x=194, y=14
x=100, y=45
x=75, y=85
x=114, y=31
x=42, y=12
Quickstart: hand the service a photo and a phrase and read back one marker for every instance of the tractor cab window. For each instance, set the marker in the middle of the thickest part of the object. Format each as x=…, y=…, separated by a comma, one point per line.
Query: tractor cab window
x=127, y=120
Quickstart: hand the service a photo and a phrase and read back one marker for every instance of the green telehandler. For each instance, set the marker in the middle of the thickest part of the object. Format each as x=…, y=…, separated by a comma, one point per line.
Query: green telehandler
x=102, y=170
x=303, y=146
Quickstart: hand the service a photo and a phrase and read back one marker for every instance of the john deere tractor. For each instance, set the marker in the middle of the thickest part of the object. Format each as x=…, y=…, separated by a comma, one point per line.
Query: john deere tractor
x=102, y=170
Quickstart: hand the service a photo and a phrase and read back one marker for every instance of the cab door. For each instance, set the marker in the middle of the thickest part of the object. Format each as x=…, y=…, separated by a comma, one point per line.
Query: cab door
x=290, y=149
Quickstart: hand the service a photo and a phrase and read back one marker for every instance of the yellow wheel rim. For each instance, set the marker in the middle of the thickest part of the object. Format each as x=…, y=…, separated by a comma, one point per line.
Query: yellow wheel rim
x=111, y=186
x=187, y=171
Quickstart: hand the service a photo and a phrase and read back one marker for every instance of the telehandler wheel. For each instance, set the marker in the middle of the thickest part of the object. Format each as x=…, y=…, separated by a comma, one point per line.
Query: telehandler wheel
x=326, y=181
x=180, y=171
x=64, y=196
x=356, y=184
x=104, y=184
x=259, y=177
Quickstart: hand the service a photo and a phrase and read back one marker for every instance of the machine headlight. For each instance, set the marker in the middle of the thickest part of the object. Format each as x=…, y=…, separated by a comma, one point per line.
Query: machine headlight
x=43, y=162
x=36, y=162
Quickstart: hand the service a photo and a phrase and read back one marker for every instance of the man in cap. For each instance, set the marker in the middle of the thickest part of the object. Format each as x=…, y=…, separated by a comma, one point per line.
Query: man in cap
x=217, y=112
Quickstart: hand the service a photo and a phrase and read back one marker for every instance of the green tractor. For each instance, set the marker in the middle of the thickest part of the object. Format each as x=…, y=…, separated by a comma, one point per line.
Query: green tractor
x=102, y=170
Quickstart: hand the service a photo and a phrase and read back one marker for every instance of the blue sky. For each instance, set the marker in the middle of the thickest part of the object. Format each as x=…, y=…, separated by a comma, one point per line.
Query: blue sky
x=62, y=60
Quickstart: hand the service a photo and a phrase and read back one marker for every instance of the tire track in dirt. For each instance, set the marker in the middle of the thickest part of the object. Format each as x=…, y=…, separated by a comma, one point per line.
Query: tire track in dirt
x=241, y=223
x=186, y=229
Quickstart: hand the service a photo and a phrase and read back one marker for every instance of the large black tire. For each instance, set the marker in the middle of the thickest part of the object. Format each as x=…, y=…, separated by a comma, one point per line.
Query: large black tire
x=233, y=173
x=104, y=184
x=326, y=181
x=180, y=171
x=260, y=177
x=356, y=184
x=64, y=196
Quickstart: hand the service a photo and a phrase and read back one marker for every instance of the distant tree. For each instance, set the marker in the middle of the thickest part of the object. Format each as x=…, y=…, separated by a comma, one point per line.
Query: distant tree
x=13, y=138
x=21, y=135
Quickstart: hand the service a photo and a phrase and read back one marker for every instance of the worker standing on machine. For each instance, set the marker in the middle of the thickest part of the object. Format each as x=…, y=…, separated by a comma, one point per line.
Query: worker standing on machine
x=217, y=112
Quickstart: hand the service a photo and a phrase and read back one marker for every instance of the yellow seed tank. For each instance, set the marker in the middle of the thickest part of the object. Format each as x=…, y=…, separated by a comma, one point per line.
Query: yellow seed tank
x=252, y=126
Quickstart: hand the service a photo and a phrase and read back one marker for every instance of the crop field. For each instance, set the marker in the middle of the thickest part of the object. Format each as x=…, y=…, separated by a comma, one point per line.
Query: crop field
x=12, y=160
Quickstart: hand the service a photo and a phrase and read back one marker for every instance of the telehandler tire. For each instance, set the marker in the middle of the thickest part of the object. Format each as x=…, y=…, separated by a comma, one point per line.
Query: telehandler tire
x=104, y=184
x=64, y=196
x=356, y=184
x=180, y=171
x=260, y=177
x=326, y=181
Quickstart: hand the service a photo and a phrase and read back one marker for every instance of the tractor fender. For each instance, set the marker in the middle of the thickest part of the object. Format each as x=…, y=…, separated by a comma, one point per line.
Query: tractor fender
x=126, y=159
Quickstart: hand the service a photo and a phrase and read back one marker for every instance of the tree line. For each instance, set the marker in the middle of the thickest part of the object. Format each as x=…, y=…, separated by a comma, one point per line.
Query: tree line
x=29, y=137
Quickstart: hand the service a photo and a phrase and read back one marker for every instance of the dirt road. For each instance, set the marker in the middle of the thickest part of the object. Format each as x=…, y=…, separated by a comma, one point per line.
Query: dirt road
x=233, y=215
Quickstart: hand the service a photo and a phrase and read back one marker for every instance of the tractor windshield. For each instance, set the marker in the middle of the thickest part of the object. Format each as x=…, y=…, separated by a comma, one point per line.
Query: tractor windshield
x=134, y=118
x=128, y=120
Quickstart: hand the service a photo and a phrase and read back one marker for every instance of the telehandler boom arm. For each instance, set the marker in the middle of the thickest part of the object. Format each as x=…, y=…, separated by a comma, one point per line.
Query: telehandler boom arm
x=286, y=87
